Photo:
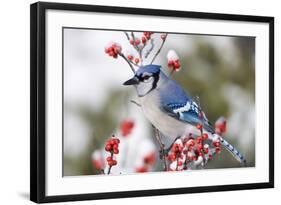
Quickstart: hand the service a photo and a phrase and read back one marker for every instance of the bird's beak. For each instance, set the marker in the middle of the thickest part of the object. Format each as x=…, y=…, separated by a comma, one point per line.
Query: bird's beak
x=132, y=81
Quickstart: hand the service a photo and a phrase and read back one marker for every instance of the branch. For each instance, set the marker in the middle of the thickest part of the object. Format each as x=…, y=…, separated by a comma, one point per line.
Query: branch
x=133, y=63
x=109, y=169
x=157, y=53
x=137, y=48
x=134, y=39
x=150, y=49
x=131, y=66
x=127, y=35
x=162, y=147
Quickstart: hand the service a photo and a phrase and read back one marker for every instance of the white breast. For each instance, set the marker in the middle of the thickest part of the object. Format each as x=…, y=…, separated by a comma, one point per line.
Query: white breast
x=168, y=126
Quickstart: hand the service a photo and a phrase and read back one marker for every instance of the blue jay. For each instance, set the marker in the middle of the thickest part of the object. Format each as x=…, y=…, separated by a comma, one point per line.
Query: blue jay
x=169, y=108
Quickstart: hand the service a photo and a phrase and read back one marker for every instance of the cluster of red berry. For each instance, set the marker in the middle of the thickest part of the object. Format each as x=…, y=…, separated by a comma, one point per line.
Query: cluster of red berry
x=192, y=151
x=143, y=39
x=147, y=35
x=113, y=50
x=174, y=64
x=133, y=59
x=111, y=146
x=97, y=164
x=148, y=161
x=220, y=126
x=173, y=61
x=126, y=127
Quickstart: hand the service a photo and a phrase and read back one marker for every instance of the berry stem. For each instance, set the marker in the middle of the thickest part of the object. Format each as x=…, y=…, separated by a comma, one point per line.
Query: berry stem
x=150, y=49
x=157, y=53
x=109, y=169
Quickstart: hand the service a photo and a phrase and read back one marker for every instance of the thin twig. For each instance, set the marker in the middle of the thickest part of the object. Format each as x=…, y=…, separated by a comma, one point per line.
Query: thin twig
x=172, y=72
x=127, y=35
x=139, y=50
x=150, y=49
x=133, y=63
x=131, y=66
x=109, y=169
x=177, y=167
x=134, y=39
x=164, y=40
x=202, y=143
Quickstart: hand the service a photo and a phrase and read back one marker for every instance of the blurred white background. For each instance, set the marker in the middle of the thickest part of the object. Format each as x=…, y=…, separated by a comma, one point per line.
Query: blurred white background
x=14, y=109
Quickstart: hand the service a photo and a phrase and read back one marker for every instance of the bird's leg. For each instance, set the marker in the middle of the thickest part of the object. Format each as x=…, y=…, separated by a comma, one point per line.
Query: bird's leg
x=162, y=148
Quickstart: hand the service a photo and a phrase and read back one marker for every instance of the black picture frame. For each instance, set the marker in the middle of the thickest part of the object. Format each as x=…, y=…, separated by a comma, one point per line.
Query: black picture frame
x=38, y=100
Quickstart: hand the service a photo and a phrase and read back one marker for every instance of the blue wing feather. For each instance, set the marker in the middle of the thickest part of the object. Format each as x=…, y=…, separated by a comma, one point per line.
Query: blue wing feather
x=178, y=104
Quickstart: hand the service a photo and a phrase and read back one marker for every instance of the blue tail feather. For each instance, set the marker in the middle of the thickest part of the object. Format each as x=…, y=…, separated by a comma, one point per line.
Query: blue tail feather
x=233, y=151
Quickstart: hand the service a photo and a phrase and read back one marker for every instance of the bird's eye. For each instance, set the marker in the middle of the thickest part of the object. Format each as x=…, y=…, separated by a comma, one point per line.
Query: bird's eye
x=146, y=77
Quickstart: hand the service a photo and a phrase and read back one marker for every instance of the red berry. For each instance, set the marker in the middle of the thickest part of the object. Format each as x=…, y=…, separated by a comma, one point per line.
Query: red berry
x=110, y=163
x=210, y=157
x=111, y=142
x=137, y=41
x=150, y=159
x=199, y=146
x=132, y=42
x=130, y=57
x=176, y=65
x=108, y=159
x=172, y=157
x=107, y=147
x=206, y=150
x=111, y=53
x=198, y=140
x=163, y=36
x=97, y=164
x=126, y=127
x=143, y=40
x=218, y=149
x=190, y=142
x=141, y=169
x=217, y=144
x=114, y=162
x=205, y=136
x=180, y=148
x=137, y=60
x=180, y=163
x=115, y=151
x=170, y=63
x=199, y=126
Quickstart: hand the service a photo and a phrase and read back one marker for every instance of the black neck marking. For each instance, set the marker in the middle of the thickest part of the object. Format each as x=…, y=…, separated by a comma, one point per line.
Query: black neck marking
x=156, y=79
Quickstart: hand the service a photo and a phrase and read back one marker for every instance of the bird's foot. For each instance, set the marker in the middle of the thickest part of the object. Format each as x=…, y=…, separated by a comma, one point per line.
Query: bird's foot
x=163, y=153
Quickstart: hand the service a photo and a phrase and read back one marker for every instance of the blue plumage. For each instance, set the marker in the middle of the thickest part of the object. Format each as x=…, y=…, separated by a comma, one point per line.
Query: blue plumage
x=178, y=104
